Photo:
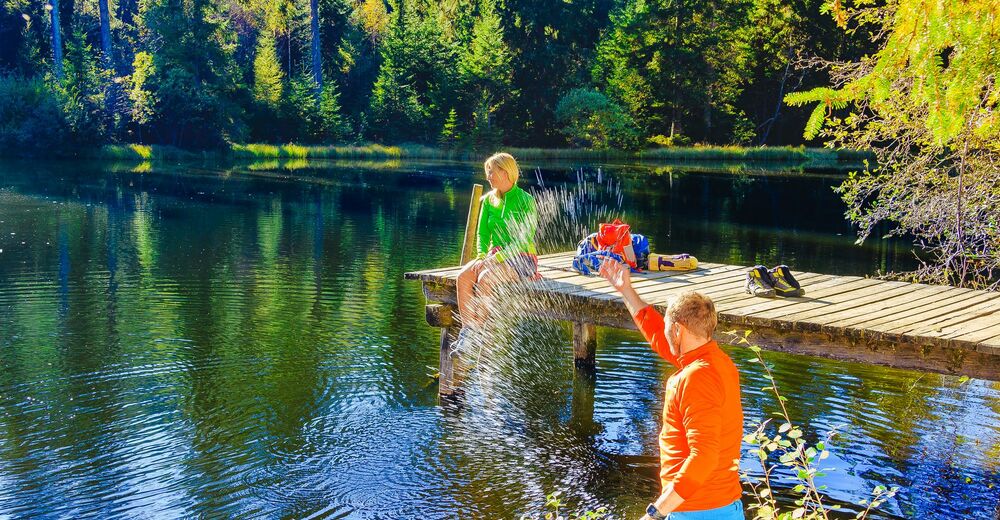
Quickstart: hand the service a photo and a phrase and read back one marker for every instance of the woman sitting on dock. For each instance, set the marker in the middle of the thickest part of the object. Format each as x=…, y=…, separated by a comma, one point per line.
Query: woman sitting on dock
x=505, y=240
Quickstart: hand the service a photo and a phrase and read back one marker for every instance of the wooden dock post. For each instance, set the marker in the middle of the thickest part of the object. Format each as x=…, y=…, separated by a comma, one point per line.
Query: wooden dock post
x=447, y=382
x=584, y=344
x=582, y=404
x=472, y=225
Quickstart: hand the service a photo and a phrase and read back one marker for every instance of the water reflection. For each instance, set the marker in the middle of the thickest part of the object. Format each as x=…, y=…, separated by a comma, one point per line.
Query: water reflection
x=223, y=342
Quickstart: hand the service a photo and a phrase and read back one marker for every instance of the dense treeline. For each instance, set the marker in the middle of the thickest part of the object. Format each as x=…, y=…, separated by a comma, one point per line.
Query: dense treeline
x=453, y=73
x=928, y=105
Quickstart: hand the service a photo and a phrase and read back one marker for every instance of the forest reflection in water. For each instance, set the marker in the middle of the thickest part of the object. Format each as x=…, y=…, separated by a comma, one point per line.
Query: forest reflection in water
x=211, y=340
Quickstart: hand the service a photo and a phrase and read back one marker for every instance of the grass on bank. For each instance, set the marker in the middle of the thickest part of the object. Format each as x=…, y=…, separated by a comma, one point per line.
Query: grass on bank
x=145, y=152
x=776, y=154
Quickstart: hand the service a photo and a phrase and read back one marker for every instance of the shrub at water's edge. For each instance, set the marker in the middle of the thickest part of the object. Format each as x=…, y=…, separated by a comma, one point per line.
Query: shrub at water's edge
x=31, y=117
x=792, y=155
x=686, y=153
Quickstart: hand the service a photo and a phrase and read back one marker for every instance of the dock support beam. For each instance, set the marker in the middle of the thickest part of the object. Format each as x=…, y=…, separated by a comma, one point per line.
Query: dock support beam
x=447, y=382
x=581, y=417
x=449, y=366
x=584, y=344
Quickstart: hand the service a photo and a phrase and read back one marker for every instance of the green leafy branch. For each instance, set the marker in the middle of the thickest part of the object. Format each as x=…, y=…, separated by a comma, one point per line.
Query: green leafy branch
x=554, y=505
x=794, y=455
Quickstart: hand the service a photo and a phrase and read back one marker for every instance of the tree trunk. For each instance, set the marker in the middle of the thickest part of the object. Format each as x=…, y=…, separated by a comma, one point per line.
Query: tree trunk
x=57, y=51
x=317, y=63
x=108, y=58
x=102, y=6
x=777, y=106
x=708, y=114
x=675, y=95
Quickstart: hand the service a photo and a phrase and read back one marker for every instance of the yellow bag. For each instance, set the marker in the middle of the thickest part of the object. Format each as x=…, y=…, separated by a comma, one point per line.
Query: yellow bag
x=681, y=262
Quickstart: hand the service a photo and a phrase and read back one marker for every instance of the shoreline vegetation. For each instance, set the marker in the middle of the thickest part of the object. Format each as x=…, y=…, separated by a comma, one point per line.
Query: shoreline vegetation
x=821, y=157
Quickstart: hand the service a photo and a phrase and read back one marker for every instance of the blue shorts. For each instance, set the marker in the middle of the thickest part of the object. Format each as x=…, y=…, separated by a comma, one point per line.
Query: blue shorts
x=733, y=511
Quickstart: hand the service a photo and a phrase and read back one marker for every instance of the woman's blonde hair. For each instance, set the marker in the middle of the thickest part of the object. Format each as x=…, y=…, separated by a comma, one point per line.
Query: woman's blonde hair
x=505, y=162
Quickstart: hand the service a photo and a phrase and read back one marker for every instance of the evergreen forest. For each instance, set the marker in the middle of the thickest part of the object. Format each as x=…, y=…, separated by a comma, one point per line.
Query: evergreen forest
x=471, y=74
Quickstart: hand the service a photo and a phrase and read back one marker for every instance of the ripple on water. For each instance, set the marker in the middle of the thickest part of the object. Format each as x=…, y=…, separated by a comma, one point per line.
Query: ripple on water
x=260, y=356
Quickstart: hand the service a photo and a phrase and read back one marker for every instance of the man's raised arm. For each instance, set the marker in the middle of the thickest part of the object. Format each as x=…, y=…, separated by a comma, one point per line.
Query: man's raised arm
x=649, y=322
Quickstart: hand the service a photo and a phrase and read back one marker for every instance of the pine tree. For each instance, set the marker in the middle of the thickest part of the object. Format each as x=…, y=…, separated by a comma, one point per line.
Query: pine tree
x=194, y=77
x=330, y=126
x=28, y=60
x=416, y=80
x=487, y=73
x=83, y=91
x=318, y=119
x=269, y=79
x=449, y=132
x=677, y=65
x=396, y=114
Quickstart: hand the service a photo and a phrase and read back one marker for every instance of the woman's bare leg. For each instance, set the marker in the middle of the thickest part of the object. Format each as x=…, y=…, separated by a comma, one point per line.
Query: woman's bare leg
x=464, y=287
x=490, y=281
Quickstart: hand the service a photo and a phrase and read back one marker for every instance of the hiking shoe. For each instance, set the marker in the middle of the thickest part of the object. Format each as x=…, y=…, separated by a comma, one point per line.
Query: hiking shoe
x=784, y=283
x=759, y=282
x=464, y=341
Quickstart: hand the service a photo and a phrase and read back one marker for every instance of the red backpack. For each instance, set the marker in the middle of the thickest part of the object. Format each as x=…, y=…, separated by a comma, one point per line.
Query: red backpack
x=617, y=238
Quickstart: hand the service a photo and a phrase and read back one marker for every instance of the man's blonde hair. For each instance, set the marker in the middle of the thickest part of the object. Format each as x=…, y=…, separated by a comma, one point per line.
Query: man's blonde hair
x=695, y=311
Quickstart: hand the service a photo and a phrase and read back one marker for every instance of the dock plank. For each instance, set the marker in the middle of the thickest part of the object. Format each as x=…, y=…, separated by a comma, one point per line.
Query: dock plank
x=818, y=286
x=825, y=299
x=731, y=290
x=958, y=306
x=857, y=302
x=983, y=307
x=919, y=300
x=893, y=325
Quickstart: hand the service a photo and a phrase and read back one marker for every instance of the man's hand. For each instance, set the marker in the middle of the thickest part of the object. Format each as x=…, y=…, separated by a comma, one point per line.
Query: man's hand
x=617, y=274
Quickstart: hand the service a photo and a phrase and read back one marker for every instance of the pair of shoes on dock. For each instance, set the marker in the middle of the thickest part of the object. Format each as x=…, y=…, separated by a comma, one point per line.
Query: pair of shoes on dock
x=768, y=283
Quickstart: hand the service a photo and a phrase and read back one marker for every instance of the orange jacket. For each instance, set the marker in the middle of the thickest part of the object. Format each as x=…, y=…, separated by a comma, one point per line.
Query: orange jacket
x=702, y=421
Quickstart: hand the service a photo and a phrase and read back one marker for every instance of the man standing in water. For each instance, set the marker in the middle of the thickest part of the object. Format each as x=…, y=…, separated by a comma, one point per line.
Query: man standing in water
x=702, y=415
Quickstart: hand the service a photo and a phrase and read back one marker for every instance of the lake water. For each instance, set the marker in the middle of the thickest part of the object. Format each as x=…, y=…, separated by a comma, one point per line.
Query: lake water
x=200, y=340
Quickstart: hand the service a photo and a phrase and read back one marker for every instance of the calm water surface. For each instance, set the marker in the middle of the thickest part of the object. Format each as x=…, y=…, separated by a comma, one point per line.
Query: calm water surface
x=209, y=341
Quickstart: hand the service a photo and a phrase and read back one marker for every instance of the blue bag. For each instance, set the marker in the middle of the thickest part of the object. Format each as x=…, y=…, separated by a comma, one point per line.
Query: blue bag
x=591, y=262
x=589, y=254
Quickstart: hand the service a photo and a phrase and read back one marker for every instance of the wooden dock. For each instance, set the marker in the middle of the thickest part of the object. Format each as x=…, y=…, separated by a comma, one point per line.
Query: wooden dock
x=898, y=324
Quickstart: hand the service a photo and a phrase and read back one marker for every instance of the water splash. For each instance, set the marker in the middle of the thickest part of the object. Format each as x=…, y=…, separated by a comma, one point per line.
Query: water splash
x=567, y=213
x=505, y=367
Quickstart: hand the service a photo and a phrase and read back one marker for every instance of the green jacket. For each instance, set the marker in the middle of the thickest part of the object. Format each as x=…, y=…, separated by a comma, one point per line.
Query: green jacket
x=509, y=225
